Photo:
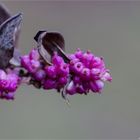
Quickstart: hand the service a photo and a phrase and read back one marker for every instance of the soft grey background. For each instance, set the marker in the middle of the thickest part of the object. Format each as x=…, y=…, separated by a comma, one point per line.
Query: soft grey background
x=109, y=29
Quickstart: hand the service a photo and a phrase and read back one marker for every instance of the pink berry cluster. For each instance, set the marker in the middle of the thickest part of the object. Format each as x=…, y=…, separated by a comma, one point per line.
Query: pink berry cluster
x=31, y=62
x=8, y=84
x=88, y=72
x=83, y=73
x=49, y=76
x=57, y=73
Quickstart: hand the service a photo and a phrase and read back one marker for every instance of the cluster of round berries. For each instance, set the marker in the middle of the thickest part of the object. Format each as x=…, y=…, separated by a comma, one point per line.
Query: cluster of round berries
x=57, y=73
x=47, y=76
x=83, y=73
x=88, y=72
x=9, y=82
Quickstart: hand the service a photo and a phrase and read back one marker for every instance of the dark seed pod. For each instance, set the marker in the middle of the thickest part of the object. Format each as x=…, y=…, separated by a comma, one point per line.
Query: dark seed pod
x=50, y=42
x=53, y=37
x=50, y=37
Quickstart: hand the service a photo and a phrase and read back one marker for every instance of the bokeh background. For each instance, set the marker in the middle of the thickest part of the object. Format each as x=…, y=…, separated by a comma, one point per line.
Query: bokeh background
x=108, y=29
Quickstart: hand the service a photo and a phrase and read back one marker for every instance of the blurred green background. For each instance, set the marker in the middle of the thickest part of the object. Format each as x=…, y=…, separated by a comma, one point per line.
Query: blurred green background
x=108, y=29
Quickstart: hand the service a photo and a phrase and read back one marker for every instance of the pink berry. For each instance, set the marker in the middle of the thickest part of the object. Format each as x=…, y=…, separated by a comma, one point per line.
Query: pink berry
x=71, y=89
x=78, y=67
x=49, y=84
x=79, y=53
x=51, y=71
x=34, y=54
x=57, y=60
x=96, y=86
x=40, y=75
x=85, y=74
x=63, y=70
x=62, y=80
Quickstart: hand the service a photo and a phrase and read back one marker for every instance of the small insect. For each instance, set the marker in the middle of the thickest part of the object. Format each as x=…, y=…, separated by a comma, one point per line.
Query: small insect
x=48, y=43
x=9, y=31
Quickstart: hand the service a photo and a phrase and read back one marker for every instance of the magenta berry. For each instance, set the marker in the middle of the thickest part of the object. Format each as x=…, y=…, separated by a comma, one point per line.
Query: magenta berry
x=85, y=74
x=51, y=71
x=78, y=67
x=63, y=70
x=49, y=84
x=25, y=61
x=72, y=56
x=96, y=86
x=80, y=89
x=71, y=89
x=57, y=60
x=106, y=77
x=62, y=81
x=34, y=54
x=40, y=75
x=79, y=53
